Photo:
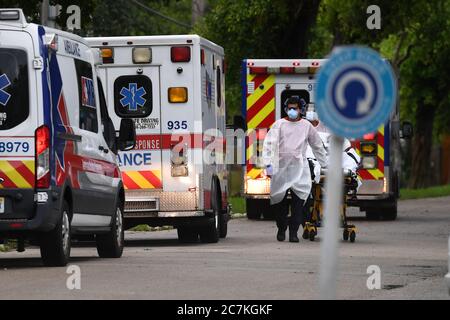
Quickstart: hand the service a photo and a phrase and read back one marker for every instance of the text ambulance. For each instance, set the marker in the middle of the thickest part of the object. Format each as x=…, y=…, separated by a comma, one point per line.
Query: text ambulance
x=266, y=84
x=173, y=87
x=58, y=171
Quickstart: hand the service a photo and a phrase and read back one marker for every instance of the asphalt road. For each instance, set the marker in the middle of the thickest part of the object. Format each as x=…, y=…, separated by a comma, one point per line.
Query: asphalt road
x=250, y=264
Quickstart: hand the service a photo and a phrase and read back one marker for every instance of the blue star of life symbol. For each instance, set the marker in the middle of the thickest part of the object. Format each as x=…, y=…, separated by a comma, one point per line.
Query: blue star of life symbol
x=133, y=97
x=4, y=83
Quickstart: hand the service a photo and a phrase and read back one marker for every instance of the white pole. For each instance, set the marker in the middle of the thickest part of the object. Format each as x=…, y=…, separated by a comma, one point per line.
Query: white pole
x=333, y=201
x=45, y=8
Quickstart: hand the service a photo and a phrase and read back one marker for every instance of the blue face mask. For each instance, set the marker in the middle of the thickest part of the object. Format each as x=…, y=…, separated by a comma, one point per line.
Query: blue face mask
x=292, y=114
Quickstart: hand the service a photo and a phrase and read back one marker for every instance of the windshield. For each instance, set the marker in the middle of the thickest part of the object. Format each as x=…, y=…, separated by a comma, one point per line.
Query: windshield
x=14, y=93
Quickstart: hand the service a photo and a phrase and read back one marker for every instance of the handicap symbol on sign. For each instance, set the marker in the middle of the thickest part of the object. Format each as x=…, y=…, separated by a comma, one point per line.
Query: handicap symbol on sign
x=4, y=83
x=133, y=97
x=356, y=91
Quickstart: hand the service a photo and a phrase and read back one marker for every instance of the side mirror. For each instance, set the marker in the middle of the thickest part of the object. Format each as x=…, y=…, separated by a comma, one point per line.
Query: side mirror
x=110, y=135
x=127, y=135
x=406, y=130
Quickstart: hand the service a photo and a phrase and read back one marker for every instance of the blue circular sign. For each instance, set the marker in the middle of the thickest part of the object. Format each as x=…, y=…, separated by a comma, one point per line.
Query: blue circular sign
x=356, y=91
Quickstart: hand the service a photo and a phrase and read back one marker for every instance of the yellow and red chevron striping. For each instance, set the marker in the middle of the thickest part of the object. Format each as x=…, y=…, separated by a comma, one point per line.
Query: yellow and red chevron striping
x=148, y=179
x=378, y=173
x=17, y=174
x=260, y=114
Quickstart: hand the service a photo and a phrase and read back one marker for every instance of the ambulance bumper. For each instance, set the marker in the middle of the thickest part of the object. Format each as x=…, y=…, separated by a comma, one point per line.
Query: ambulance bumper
x=175, y=219
x=41, y=215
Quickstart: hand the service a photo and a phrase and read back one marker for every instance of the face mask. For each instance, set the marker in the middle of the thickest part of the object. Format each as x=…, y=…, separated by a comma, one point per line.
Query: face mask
x=292, y=114
x=311, y=116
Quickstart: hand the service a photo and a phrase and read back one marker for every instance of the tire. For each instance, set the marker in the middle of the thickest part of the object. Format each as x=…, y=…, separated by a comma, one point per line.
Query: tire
x=345, y=235
x=187, y=235
x=390, y=214
x=258, y=207
x=253, y=211
x=268, y=213
x=223, y=225
x=55, y=245
x=352, y=236
x=211, y=232
x=110, y=245
x=373, y=214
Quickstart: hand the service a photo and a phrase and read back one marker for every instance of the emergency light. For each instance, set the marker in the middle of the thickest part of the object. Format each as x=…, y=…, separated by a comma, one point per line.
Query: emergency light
x=107, y=55
x=295, y=69
x=9, y=15
x=178, y=95
x=180, y=54
x=142, y=55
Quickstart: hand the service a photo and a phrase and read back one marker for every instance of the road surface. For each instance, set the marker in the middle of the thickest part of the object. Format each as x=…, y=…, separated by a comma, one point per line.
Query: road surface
x=250, y=264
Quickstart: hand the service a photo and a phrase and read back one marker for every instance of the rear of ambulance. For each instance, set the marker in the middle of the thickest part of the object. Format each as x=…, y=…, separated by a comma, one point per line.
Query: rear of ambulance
x=153, y=81
x=24, y=144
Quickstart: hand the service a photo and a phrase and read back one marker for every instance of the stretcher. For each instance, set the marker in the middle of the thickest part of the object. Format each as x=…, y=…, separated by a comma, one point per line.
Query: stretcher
x=314, y=214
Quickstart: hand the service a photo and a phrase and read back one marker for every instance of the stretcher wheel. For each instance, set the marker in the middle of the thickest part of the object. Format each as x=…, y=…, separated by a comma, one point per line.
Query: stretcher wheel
x=352, y=236
x=312, y=235
x=305, y=233
x=345, y=235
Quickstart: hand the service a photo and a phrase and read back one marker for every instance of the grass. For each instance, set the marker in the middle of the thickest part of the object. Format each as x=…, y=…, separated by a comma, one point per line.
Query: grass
x=237, y=206
x=431, y=192
x=147, y=228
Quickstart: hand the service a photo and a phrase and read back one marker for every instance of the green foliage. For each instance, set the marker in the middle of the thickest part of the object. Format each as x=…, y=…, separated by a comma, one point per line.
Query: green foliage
x=256, y=29
x=432, y=192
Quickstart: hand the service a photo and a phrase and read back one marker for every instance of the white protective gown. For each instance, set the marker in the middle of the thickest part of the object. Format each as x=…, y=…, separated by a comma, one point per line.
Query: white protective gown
x=285, y=150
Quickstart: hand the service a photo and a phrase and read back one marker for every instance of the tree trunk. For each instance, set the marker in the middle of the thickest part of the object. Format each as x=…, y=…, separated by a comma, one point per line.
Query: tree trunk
x=422, y=143
x=198, y=9
x=304, y=16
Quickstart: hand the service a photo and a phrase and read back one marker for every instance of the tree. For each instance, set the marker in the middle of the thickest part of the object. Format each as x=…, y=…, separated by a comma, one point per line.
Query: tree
x=257, y=29
x=415, y=37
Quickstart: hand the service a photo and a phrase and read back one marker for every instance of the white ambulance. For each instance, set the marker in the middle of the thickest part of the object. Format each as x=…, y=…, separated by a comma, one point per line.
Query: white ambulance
x=266, y=84
x=174, y=89
x=59, y=176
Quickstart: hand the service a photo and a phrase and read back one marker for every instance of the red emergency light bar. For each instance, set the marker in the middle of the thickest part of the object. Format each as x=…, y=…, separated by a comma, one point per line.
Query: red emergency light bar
x=284, y=70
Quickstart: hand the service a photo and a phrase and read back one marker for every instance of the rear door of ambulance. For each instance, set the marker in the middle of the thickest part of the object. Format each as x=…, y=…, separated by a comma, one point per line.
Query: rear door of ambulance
x=133, y=91
x=18, y=121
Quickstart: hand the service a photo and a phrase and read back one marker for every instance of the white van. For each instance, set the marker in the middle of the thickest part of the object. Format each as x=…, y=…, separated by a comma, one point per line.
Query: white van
x=173, y=87
x=58, y=171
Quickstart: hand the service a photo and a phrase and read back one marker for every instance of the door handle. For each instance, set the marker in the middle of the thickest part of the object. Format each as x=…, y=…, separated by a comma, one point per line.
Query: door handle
x=102, y=148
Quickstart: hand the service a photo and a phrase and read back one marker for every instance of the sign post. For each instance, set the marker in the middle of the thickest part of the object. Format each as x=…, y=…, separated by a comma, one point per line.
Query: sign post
x=356, y=92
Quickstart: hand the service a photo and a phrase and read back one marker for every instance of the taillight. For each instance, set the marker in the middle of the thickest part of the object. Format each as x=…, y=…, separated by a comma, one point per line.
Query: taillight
x=202, y=57
x=178, y=95
x=107, y=55
x=180, y=54
x=42, y=142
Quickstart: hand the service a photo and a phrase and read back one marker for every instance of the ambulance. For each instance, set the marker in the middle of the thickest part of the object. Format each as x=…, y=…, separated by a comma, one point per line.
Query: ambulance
x=59, y=176
x=173, y=87
x=266, y=85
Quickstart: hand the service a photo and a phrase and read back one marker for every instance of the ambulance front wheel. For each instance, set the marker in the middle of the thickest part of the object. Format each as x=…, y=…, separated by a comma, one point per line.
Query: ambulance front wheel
x=110, y=245
x=55, y=244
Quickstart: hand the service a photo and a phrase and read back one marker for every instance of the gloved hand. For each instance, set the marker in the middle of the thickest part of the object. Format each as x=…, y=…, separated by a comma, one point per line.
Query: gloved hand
x=269, y=171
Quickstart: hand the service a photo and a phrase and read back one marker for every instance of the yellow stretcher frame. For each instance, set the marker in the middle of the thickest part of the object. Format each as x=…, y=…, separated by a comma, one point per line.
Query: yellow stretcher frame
x=316, y=215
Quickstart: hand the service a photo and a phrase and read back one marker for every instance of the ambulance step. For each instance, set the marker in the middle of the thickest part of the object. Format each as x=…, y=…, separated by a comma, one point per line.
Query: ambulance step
x=140, y=205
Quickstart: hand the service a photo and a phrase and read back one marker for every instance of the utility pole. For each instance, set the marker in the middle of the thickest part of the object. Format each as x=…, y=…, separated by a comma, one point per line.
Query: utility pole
x=198, y=9
x=45, y=8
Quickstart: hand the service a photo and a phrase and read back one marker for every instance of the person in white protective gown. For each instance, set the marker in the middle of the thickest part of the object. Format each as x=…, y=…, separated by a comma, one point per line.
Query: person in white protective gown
x=284, y=151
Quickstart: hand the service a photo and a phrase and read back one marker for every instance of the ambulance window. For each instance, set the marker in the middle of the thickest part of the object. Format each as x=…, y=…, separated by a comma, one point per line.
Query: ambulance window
x=219, y=86
x=86, y=94
x=133, y=96
x=14, y=90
